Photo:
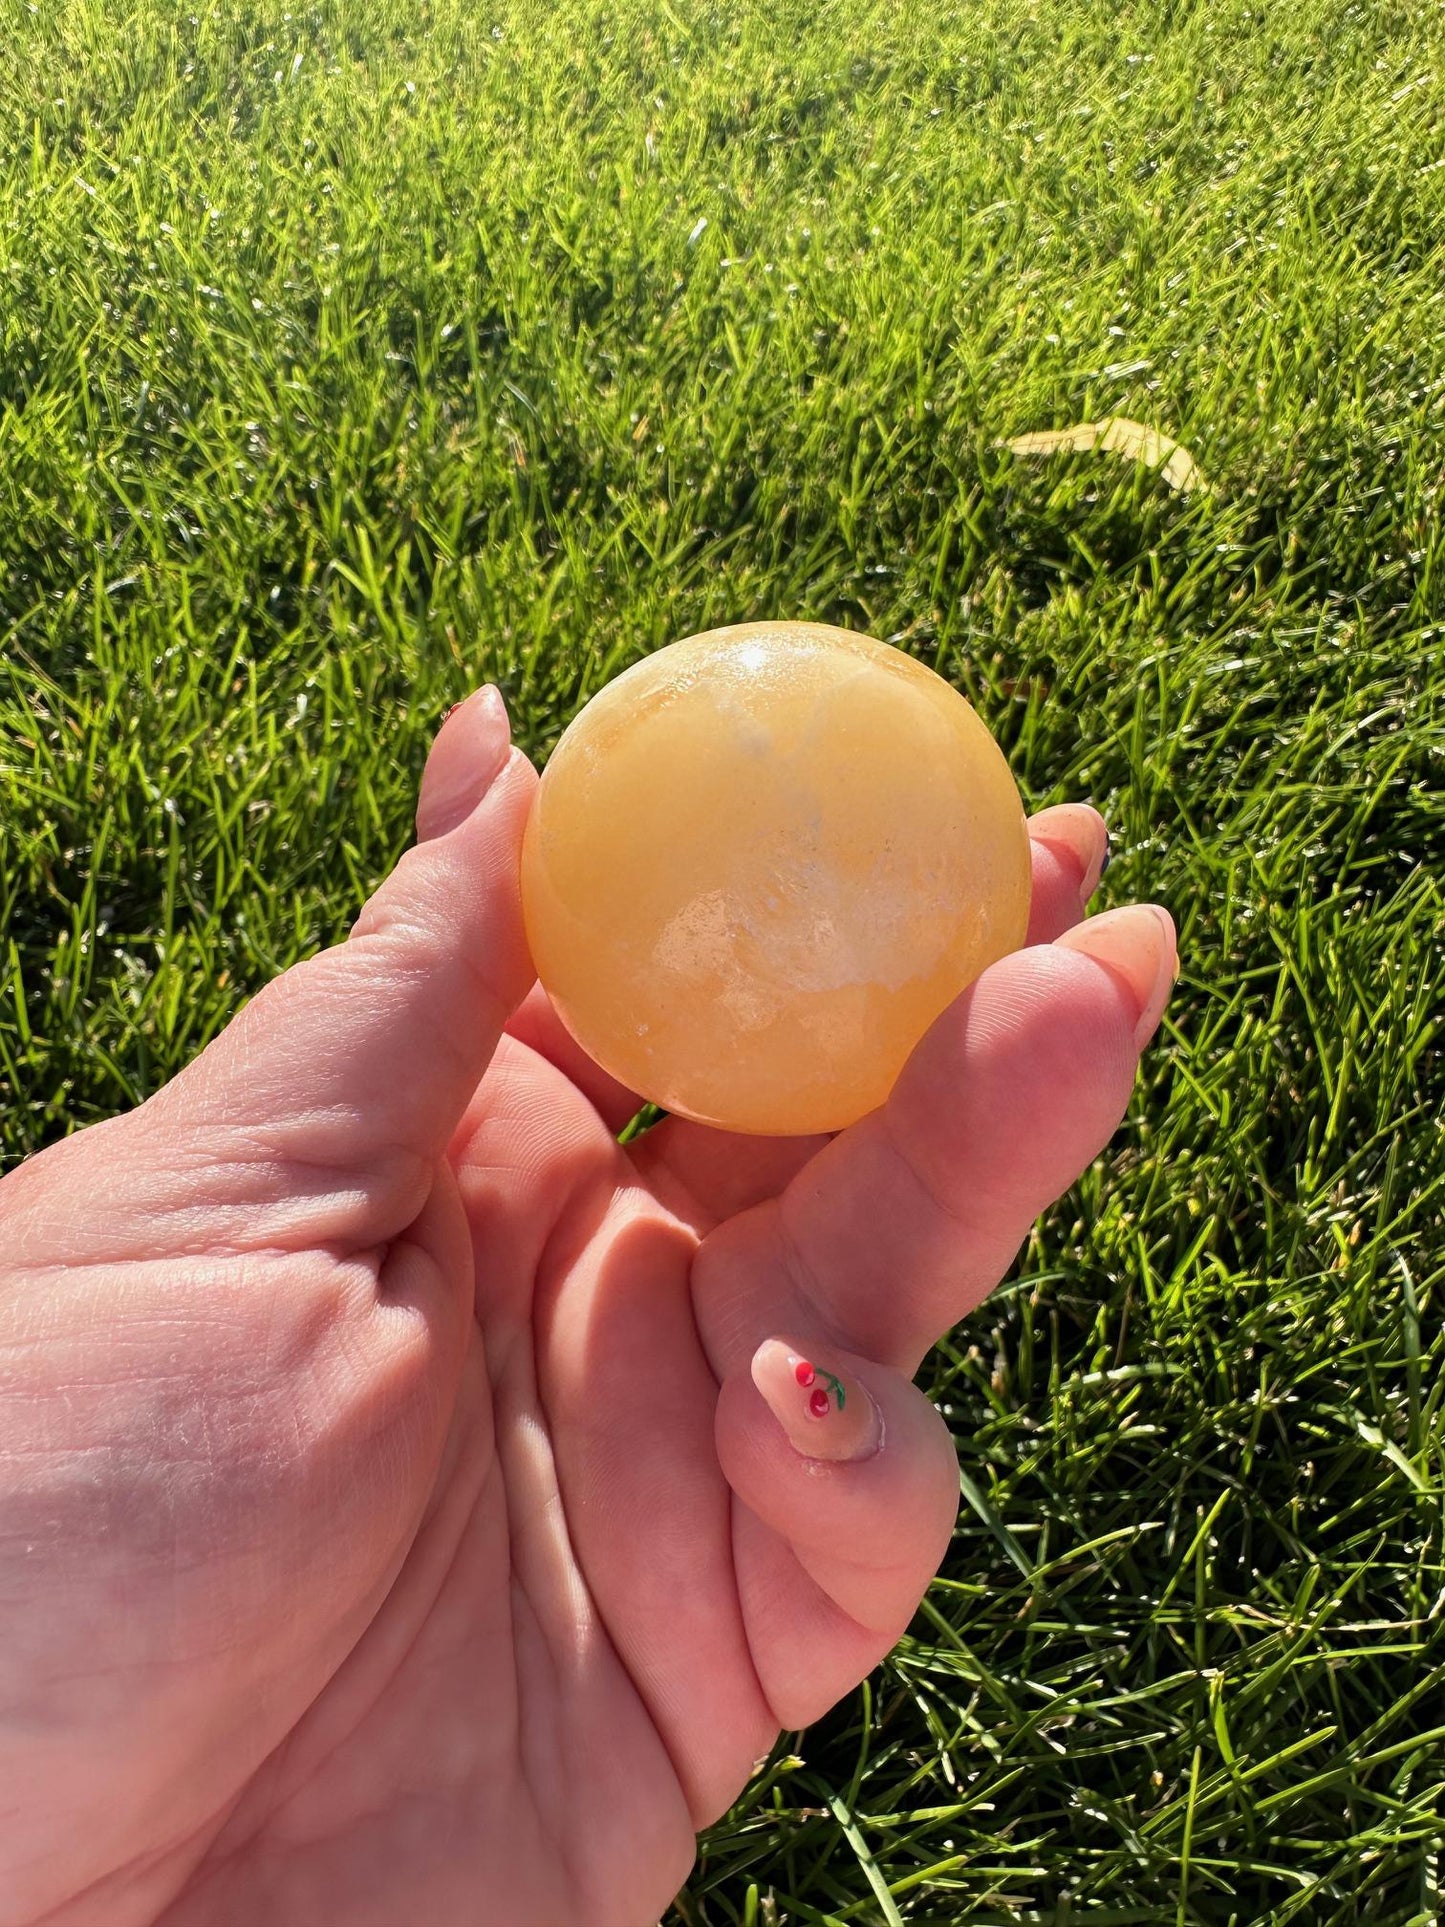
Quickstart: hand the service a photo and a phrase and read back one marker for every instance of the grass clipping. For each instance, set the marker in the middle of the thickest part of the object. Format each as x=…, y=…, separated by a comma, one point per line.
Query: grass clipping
x=1119, y=436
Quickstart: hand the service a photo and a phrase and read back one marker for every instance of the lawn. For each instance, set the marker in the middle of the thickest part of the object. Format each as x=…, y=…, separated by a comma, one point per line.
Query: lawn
x=353, y=354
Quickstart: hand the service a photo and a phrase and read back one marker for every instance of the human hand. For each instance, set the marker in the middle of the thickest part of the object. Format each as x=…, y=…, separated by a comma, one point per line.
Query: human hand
x=409, y=1507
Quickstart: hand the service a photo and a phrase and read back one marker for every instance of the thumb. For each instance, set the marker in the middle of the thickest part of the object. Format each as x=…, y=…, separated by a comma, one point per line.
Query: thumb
x=849, y=1485
x=347, y=1075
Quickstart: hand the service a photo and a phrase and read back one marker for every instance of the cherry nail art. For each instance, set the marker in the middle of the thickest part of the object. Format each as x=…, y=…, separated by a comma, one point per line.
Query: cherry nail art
x=809, y=1403
x=821, y=1401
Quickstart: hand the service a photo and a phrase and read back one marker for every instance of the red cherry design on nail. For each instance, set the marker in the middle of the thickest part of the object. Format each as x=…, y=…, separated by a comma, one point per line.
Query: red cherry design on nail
x=804, y=1372
x=818, y=1403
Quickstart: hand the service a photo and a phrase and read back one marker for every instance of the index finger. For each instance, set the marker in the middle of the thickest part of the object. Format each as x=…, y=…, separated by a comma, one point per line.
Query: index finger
x=907, y=1220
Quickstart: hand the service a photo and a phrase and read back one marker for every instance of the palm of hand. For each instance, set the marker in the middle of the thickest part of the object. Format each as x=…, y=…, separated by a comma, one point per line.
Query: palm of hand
x=563, y=1681
x=538, y=1344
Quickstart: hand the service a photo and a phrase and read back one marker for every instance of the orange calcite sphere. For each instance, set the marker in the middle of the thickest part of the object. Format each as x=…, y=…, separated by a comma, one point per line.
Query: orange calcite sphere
x=761, y=862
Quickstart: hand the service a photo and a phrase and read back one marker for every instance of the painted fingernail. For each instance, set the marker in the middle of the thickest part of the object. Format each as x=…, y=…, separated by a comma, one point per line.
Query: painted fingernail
x=470, y=752
x=1137, y=946
x=1081, y=831
x=1108, y=852
x=826, y=1414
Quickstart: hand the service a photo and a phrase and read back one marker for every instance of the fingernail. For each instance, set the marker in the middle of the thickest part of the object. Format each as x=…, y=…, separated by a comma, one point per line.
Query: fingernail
x=470, y=751
x=1138, y=948
x=1081, y=831
x=826, y=1414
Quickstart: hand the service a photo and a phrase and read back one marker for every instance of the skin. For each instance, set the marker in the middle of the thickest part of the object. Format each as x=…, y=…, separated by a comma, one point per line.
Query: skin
x=407, y=1506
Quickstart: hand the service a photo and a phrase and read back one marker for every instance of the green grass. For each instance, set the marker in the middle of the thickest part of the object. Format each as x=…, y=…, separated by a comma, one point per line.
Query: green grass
x=352, y=354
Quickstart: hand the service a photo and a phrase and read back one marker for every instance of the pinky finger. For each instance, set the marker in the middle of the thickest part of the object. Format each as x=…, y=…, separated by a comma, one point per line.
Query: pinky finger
x=848, y=1486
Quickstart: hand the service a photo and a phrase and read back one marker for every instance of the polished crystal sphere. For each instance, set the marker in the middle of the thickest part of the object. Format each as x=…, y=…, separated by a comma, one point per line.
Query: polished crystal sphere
x=761, y=862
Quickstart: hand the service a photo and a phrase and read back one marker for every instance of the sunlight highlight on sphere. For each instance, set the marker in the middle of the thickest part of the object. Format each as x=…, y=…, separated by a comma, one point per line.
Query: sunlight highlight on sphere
x=761, y=862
